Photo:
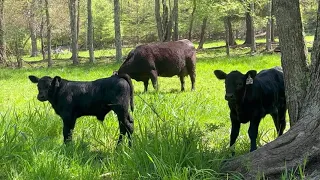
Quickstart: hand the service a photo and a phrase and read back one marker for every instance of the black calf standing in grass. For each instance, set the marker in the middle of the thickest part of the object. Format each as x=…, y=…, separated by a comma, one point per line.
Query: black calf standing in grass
x=251, y=97
x=73, y=99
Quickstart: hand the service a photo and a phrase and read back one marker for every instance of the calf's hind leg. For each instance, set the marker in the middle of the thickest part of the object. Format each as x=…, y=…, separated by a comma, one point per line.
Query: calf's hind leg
x=125, y=124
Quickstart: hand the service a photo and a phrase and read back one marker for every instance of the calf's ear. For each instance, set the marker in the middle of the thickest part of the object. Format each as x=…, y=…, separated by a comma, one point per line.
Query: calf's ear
x=56, y=81
x=220, y=74
x=34, y=79
x=252, y=73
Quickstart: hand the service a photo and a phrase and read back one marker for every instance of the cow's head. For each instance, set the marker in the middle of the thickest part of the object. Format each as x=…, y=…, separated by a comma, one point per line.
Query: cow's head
x=46, y=86
x=235, y=83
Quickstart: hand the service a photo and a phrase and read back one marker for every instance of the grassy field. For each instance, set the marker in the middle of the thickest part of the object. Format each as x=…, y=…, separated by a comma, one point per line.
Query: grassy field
x=188, y=139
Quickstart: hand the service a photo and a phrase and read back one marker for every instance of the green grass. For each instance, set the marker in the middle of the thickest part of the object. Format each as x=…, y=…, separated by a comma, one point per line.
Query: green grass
x=188, y=140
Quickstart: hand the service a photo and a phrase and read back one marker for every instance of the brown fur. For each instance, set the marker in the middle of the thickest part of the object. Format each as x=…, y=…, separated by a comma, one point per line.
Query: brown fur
x=165, y=59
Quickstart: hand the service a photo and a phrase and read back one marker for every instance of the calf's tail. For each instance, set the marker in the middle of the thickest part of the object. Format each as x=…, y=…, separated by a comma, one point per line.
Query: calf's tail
x=128, y=79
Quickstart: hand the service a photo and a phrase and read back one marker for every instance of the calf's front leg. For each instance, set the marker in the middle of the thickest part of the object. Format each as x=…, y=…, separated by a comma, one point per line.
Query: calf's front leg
x=68, y=126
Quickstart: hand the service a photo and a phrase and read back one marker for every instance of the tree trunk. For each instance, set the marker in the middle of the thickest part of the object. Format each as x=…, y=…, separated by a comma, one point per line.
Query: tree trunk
x=41, y=31
x=165, y=20
x=293, y=54
x=169, y=28
x=227, y=37
x=32, y=26
x=158, y=20
x=3, y=55
x=203, y=32
x=248, y=40
x=73, y=29
x=272, y=21
x=232, y=41
x=175, y=20
x=117, y=30
x=300, y=146
x=48, y=33
x=268, y=33
x=192, y=19
x=253, y=33
x=78, y=19
x=90, y=32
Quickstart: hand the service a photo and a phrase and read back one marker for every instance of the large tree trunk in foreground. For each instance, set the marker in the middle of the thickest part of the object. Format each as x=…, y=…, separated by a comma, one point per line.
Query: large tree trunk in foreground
x=300, y=146
x=293, y=54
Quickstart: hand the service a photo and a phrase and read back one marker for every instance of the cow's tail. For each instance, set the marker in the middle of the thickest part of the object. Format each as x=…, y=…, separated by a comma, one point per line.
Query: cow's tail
x=128, y=79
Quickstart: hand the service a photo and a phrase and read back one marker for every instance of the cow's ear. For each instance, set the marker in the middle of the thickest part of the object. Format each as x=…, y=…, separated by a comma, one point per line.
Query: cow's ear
x=56, y=81
x=252, y=73
x=34, y=79
x=220, y=74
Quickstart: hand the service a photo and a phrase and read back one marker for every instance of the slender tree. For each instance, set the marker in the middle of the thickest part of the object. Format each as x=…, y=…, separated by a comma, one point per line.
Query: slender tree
x=203, y=31
x=48, y=33
x=194, y=7
x=3, y=55
x=33, y=30
x=117, y=30
x=158, y=20
x=253, y=33
x=248, y=40
x=175, y=20
x=268, y=33
x=300, y=146
x=73, y=29
x=90, y=32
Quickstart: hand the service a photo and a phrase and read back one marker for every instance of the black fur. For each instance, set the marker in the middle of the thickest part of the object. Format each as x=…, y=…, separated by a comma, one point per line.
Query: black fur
x=251, y=97
x=73, y=99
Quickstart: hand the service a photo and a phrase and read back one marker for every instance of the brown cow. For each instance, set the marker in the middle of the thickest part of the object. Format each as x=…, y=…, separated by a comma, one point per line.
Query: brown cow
x=164, y=59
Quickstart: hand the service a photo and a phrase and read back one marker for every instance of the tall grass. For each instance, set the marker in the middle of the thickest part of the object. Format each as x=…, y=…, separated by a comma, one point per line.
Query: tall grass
x=178, y=135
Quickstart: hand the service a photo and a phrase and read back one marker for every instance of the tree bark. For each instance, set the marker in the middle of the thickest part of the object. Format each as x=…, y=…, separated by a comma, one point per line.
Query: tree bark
x=248, y=40
x=253, y=33
x=78, y=18
x=268, y=33
x=232, y=41
x=175, y=20
x=73, y=29
x=227, y=37
x=48, y=33
x=203, y=32
x=194, y=7
x=293, y=54
x=158, y=20
x=117, y=30
x=3, y=55
x=41, y=31
x=300, y=146
x=32, y=26
x=272, y=22
x=90, y=32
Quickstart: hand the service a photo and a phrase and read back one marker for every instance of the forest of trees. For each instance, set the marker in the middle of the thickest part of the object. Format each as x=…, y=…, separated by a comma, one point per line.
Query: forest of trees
x=29, y=27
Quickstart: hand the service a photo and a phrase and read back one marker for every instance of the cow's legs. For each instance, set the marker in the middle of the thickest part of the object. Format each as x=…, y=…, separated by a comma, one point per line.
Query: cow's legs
x=125, y=123
x=146, y=83
x=154, y=79
x=282, y=120
x=235, y=127
x=68, y=126
x=191, y=67
x=253, y=133
x=182, y=81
